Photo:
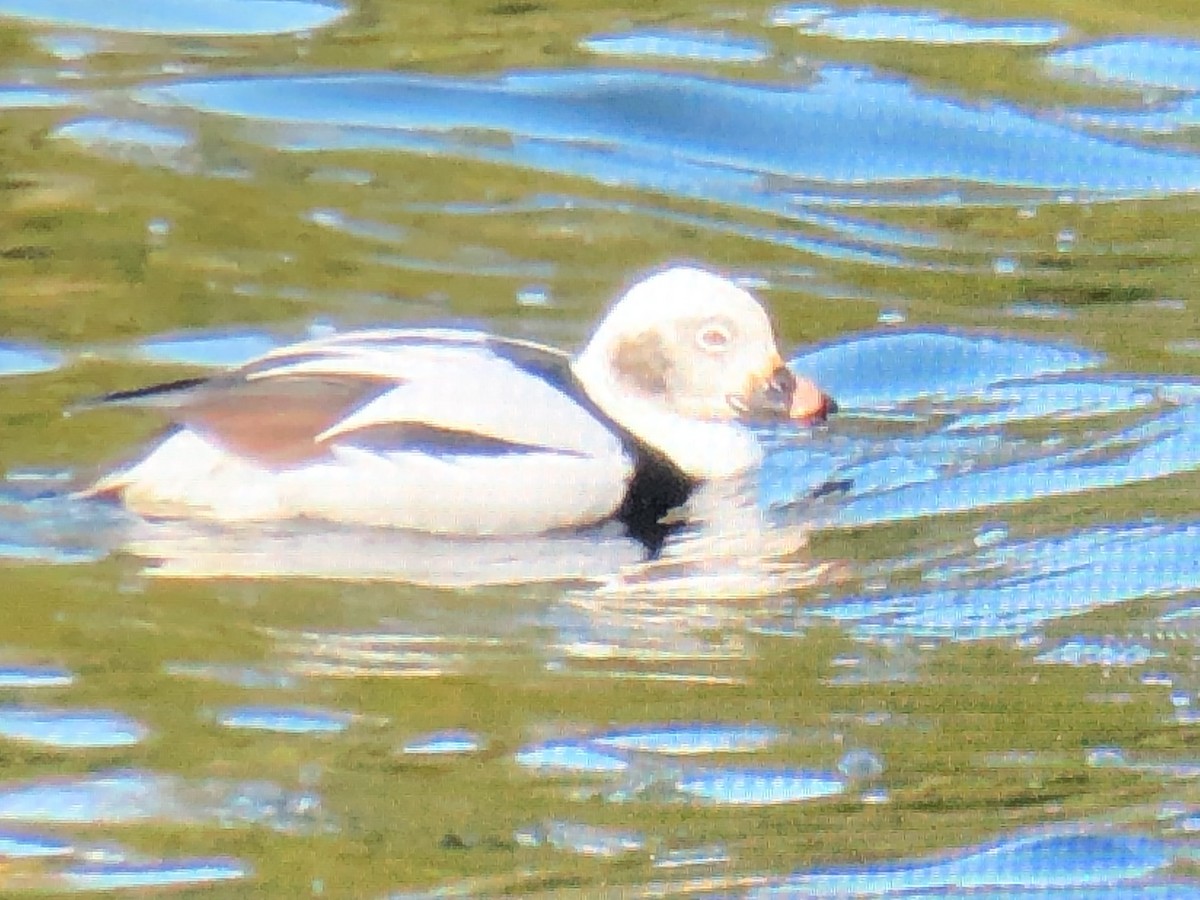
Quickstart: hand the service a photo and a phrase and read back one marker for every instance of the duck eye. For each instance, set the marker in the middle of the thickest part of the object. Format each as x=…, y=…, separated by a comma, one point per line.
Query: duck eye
x=713, y=338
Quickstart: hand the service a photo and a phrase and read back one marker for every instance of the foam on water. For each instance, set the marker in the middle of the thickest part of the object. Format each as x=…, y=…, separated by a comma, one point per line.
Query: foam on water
x=28, y=845
x=209, y=18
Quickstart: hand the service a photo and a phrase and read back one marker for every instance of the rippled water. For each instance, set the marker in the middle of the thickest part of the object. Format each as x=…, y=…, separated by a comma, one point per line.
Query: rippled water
x=950, y=648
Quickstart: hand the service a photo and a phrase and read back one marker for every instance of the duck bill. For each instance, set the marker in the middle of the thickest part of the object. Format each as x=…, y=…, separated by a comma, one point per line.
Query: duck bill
x=781, y=396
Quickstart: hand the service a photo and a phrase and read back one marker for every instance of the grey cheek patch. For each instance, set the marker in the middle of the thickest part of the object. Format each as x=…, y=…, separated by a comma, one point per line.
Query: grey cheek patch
x=642, y=363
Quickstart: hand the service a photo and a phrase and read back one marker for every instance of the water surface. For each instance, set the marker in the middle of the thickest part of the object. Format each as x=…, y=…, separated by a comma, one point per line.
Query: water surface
x=946, y=645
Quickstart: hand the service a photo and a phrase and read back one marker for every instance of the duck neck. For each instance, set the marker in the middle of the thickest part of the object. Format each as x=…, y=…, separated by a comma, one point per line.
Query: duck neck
x=700, y=449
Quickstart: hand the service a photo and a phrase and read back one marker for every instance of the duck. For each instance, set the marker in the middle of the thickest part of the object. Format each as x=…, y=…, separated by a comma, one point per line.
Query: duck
x=459, y=432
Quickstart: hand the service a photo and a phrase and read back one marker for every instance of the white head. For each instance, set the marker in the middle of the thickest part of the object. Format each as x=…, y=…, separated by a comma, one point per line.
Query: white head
x=684, y=355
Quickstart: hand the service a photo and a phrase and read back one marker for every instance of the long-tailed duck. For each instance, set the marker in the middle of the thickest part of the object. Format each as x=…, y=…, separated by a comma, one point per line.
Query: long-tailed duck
x=460, y=432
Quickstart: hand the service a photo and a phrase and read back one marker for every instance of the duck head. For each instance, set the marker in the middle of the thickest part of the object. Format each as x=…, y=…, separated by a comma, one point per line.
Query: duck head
x=683, y=361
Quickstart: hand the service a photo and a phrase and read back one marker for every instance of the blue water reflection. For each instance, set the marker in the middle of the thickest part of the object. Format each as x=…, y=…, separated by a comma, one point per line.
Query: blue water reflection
x=285, y=719
x=1145, y=62
x=70, y=728
x=134, y=795
x=16, y=676
x=849, y=128
x=230, y=347
x=758, y=787
x=27, y=359
x=174, y=873
x=441, y=744
x=213, y=18
x=913, y=26
x=1152, y=64
x=25, y=844
x=884, y=369
x=1063, y=858
x=1040, y=580
x=700, y=45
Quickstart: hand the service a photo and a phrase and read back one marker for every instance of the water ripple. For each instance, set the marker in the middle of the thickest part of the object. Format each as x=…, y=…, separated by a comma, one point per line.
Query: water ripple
x=26, y=845
x=211, y=18
x=70, y=728
x=230, y=347
x=15, y=676
x=132, y=795
x=758, y=787
x=913, y=26
x=285, y=719
x=452, y=742
x=636, y=128
x=1055, y=858
x=688, y=739
x=883, y=369
x=1056, y=577
x=168, y=873
x=586, y=840
x=700, y=45
x=570, y=757
x=25, y=359
x=1146, y=62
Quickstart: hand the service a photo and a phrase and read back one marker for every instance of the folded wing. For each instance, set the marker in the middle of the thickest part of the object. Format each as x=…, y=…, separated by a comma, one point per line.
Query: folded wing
x=434, y=429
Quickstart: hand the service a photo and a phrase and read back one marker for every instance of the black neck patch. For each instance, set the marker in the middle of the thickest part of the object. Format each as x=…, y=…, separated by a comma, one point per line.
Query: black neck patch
x=657, y=487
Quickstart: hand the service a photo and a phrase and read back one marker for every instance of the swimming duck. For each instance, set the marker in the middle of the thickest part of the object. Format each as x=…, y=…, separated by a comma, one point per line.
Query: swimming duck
x=459, y=432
